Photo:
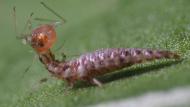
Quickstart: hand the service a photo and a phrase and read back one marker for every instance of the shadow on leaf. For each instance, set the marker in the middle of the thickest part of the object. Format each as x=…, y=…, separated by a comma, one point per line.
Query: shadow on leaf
x=131, y=71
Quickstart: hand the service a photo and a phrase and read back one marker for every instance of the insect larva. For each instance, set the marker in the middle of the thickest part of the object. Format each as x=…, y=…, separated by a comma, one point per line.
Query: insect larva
x=100, y=62
x=89, y=65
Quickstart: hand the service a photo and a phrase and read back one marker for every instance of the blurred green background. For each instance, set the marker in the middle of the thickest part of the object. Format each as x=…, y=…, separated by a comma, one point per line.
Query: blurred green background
x=91, y=25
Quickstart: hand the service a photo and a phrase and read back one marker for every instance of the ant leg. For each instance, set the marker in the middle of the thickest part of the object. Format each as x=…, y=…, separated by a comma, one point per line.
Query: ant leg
x=39, y=84
x=29, y=66
x=51, y=10
x=28, y=23
x=27, y=29
x=21, y=36
x=55, y=23
x=15, y=21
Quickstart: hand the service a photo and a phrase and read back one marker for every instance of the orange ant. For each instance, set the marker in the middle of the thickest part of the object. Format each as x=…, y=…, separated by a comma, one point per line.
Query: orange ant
x=43, y=37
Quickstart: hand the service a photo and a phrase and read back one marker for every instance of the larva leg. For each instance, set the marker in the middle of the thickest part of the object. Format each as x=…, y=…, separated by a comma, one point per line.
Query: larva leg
x=70, y=83
x=96, y=82
x=93, y=81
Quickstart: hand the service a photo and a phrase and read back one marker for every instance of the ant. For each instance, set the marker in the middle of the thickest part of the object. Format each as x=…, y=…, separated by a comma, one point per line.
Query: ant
x=90, y=65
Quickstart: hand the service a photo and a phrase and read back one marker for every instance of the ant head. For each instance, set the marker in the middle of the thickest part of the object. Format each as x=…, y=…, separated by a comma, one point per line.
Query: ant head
x=42, y=38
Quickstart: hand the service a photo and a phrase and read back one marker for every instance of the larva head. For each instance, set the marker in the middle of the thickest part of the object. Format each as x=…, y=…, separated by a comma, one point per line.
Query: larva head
x=42, y=38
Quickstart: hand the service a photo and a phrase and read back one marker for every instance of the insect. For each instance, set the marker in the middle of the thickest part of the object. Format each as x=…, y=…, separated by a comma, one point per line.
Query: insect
x=90, y=65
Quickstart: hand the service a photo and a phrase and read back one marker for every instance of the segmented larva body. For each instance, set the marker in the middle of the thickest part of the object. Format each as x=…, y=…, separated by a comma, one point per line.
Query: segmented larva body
x=90, y=65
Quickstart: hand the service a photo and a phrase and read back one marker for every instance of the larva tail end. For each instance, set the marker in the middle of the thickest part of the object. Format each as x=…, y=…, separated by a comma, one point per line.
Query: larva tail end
x=176, y=56
x=165, y=54
x=172, y=55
